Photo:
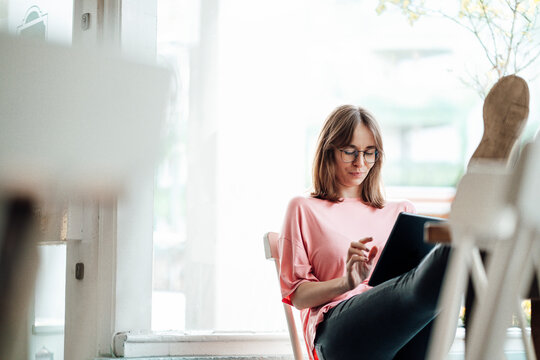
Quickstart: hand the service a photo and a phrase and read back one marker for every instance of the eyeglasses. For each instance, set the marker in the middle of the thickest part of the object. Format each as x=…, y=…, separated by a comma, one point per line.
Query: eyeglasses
x=349, y=155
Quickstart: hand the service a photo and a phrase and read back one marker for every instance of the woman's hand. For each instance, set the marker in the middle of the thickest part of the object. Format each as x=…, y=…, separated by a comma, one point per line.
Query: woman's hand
x=359, y=261
x=316, y=293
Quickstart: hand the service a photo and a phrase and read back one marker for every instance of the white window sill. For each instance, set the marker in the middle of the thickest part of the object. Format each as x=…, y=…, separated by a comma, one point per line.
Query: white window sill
x=244, y=344
x=201, y=344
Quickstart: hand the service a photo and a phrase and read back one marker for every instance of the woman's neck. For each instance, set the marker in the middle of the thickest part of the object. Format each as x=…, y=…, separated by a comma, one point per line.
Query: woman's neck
x=350, y=193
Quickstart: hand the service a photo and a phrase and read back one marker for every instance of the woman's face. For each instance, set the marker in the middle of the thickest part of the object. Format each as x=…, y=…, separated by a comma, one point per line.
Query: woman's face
x=351, y=174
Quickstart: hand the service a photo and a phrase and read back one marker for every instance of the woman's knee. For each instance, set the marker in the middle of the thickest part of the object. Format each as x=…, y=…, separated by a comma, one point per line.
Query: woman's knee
x=428, y=277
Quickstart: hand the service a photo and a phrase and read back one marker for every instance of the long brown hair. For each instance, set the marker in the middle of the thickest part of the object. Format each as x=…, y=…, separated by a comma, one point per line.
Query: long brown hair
x=337, y=132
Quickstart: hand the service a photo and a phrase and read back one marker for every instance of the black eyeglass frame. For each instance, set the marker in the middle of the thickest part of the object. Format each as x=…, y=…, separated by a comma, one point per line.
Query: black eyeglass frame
x=357, y=153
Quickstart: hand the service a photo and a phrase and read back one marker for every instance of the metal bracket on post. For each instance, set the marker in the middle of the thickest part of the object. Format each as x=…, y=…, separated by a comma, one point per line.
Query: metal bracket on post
x=79, y=271
x=85, y=21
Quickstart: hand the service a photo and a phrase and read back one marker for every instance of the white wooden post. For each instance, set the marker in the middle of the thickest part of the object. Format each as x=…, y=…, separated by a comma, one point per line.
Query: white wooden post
x=116, y=246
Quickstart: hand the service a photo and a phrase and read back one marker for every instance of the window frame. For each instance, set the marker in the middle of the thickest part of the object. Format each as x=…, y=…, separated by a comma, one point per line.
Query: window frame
x=112, y=318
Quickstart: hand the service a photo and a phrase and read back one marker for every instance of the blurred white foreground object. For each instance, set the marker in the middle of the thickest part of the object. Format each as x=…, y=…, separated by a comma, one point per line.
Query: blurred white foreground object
x=74, y=123
x=512, y=269
x=76, y=119
x=483, y=217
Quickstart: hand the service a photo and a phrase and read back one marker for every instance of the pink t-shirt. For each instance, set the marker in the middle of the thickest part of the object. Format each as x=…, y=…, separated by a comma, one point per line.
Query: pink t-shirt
x=314, y=241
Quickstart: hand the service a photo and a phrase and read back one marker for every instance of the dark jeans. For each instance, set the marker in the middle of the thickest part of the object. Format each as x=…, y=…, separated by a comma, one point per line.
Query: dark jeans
x=391, y=321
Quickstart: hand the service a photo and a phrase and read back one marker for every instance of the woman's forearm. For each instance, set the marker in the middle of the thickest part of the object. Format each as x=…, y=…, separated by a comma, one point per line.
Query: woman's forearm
x=312, y=294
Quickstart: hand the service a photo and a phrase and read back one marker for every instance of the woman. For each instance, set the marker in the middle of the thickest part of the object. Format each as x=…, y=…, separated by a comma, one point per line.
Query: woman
x=330, y=242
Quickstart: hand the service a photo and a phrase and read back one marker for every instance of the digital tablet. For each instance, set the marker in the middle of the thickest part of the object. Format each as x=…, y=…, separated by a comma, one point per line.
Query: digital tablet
x=404, y=249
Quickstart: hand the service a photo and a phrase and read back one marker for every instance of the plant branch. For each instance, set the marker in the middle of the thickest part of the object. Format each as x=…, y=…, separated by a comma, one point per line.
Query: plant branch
x=488, y=22
x=440, y=13
x=477, y=35
x=503, y=28
x=530, y=27
x=533, y=59
x=511, y=40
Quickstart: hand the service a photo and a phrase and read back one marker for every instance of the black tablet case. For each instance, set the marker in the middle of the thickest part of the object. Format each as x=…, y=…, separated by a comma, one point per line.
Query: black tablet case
x=404, y=249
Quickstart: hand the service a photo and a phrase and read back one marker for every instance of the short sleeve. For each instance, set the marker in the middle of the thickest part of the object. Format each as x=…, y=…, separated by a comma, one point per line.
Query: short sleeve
x=295, y=267
x=410, y=207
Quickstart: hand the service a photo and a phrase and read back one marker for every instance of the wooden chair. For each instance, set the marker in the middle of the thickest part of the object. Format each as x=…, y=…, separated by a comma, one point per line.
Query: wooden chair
x=271, y=252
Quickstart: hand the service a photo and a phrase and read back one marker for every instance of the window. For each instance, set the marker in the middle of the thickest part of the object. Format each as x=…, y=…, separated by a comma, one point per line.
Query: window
x=177, y=31
x=50, y=290
x=281, y=68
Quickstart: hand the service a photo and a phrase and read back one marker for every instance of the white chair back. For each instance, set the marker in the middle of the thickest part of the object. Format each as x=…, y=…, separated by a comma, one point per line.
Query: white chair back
x=271, y=252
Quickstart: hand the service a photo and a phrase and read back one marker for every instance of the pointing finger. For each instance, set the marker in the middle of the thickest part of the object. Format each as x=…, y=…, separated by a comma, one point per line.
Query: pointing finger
x=366, y=240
